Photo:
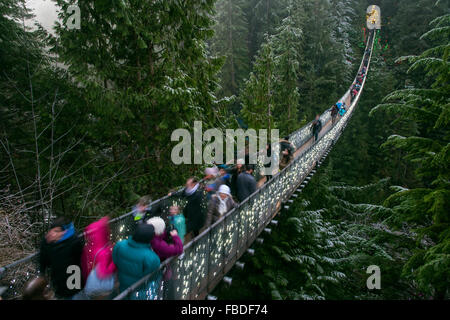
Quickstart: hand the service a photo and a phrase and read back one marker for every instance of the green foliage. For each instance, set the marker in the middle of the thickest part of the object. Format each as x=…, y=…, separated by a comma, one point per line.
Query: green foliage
x=86, y=130
x=300, y=70
x=286, y=92
x=257, y=93
x=270, y=97
x=146, y=74
x=264, y=17
x=38, y=131
x=402, y=229
x=324, y=69
x=230, y=40
x=426, y=208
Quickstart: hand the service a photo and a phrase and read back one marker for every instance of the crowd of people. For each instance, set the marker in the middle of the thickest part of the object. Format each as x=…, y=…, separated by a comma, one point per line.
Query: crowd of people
x=108, y=269
x=356, y=86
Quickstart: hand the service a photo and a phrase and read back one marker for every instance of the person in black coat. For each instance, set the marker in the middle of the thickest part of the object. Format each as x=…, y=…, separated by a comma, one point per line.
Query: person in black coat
x=195, y=209
x=235, y=172
x=246, y=183
x=60, y=249
x=316, y=127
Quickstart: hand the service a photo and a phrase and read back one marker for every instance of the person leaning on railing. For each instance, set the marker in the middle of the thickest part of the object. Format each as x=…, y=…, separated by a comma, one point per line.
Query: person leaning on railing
x=141, y=209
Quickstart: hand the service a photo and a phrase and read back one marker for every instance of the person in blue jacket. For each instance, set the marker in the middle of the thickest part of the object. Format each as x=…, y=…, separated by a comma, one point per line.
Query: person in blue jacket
x=342, y=109
x=135, y=259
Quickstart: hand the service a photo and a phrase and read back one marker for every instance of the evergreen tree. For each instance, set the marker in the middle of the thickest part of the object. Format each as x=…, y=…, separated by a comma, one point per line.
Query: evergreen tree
x=322, y=247
x=264, y=17
x=287, y=51
x=426, y=208
x=323, y=64
x=257, y=94
x=142, y=67
x=343, y=34
x=361, y=160
x=39, y=133
x=230, y=41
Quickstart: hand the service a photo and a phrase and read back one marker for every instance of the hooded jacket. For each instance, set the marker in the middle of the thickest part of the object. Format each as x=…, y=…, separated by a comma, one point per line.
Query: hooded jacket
x=134, y=260
x=164, y=249
x=97, y=238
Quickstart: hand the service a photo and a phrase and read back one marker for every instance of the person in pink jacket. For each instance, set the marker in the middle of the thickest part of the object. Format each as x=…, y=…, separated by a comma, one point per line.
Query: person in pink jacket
x=98, y=246
x=163, y=244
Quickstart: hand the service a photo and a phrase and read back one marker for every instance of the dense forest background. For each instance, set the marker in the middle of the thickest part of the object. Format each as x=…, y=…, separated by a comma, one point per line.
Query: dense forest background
x=86, y=119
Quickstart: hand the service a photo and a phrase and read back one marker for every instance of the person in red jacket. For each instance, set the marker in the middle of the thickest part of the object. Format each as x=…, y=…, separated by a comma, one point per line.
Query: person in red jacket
x=99, y=248
x=165, y=244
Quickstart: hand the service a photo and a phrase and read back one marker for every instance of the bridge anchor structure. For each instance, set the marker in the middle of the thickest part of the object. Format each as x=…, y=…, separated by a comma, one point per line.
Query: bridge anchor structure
x=208, y=258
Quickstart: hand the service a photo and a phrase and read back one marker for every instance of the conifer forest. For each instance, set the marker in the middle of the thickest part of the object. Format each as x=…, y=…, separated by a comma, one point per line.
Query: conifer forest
x=87, y=116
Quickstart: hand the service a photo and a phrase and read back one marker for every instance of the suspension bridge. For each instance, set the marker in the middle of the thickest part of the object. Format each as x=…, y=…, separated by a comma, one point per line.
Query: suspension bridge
x=212, y=254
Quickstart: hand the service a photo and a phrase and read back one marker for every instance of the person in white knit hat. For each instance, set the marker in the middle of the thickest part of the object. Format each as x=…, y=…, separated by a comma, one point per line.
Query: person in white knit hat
x=221, y=202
